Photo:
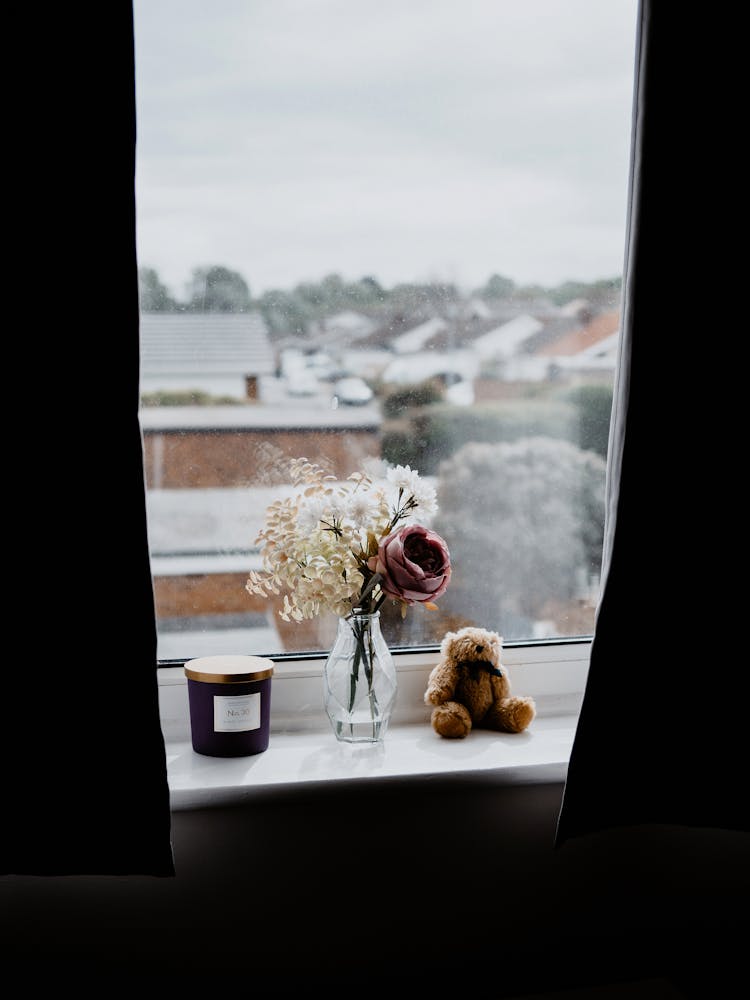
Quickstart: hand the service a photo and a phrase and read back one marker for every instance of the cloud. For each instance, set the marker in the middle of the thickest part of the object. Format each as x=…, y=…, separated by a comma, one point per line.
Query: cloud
x=292, y=139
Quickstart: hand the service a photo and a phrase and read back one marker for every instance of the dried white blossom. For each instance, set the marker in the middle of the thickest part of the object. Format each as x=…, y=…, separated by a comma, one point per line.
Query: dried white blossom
x=310, y=513
x=318, y=544
x=363, y=509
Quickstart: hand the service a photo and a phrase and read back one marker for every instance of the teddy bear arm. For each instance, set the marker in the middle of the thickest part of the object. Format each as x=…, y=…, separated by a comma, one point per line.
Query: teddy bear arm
x=441, y=685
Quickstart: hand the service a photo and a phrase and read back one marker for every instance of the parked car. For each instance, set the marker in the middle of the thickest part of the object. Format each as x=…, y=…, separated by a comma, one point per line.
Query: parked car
x=302, y=383
x=351, y=391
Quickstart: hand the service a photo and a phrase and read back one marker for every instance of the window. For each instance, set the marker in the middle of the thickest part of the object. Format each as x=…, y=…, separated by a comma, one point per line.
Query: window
x=391, y=231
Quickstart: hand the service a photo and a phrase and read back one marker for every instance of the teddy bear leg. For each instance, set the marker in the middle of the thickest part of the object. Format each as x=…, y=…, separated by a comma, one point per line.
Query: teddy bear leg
x=451, y=720
x=511, y=715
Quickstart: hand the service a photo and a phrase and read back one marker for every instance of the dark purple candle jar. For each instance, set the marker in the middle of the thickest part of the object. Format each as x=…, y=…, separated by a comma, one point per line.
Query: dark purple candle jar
x=230, y=704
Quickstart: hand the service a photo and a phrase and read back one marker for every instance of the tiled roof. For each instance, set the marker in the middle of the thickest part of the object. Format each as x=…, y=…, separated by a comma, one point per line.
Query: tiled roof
x=205, y=344
x=506, y=339
x=600, y=327
x=299, y=415
x=416, y=338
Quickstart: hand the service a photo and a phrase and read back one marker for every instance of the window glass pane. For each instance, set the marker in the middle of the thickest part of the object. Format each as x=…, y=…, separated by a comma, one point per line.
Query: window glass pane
x=390, y=231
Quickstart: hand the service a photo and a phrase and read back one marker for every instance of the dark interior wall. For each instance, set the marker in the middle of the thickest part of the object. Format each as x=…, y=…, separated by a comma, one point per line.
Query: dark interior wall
x=446, y=883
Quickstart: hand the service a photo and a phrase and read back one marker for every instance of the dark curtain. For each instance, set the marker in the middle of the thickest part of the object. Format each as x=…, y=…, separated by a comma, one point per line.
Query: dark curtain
x=661, y=736
x=85, y=789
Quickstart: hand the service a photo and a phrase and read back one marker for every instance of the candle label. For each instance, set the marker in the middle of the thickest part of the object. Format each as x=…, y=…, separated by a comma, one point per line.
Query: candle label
x=236, y=714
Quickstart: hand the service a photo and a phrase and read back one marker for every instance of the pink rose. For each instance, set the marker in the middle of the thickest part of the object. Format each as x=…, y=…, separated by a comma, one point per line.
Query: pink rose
x=414, y=564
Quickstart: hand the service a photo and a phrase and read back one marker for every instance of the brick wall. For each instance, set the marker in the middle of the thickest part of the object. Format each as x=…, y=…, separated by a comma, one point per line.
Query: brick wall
x=204, y=459
x=224, y=593
x=230, y=458
x=212, y=594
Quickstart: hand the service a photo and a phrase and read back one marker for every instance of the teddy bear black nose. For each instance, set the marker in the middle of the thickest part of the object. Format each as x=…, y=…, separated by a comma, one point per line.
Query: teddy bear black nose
x=480, y=649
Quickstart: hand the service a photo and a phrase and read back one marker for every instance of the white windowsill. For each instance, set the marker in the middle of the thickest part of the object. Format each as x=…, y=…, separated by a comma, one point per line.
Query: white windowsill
x=303, y=751
x=408, y=752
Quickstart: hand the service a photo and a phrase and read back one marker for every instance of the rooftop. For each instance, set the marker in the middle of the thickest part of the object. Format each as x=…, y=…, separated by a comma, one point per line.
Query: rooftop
x=308, y=413
x=204, y=344
x=600, y=328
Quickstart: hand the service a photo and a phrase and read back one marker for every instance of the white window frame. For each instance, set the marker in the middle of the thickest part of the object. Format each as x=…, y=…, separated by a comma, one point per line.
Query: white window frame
x=552, y=672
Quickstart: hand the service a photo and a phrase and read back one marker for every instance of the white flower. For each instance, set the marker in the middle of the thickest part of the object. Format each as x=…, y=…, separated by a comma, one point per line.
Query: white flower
x=404, y=478
x=426, y=497
x=413, y=493
x=310, y=513
x=374, y=468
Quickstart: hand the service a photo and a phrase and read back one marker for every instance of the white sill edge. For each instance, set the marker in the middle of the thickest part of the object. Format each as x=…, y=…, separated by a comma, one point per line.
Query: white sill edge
x=409, y=753
x=303, y=752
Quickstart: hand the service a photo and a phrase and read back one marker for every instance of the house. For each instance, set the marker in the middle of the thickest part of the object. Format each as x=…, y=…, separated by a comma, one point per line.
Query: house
x=450, y=366
x=554, y=349
x=211, y=471
x=579, y=309
x=224, y=447
x=598, y=357
x=503, y=341
x=584, y=335
x=417, y=337
x=589, y=348
x=343, y=328
x=222, y=354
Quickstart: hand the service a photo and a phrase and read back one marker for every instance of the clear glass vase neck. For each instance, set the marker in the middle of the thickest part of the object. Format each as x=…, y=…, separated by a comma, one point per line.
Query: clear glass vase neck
x=360, y=682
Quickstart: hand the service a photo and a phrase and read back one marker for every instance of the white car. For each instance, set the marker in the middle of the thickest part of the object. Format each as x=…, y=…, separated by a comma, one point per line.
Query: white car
x=302, y=383
x=351, y=391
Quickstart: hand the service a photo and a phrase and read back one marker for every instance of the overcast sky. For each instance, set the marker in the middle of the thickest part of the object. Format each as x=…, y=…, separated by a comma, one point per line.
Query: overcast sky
x=410, y=140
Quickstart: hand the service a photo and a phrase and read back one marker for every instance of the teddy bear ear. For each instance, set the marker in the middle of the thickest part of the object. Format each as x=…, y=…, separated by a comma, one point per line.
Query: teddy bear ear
x=447, y=640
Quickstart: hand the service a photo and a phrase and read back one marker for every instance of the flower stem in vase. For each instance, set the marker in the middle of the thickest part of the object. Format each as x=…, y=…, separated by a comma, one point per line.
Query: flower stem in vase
x=359, y=680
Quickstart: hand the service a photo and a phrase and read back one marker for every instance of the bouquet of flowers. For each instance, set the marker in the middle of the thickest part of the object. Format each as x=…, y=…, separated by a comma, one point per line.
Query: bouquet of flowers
x=346, y=547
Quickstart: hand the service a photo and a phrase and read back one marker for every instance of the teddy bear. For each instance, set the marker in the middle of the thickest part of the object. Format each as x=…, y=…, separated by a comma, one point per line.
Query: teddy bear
x=469, y=687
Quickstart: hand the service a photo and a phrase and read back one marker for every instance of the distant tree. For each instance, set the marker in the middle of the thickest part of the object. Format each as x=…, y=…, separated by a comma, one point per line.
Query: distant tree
x=311, y=293
x=334, y=292
x=153, y=295
x=605, y=292
x=368, y=291
x=524, y=524
x=291, y=313
x=531, y=293
x=217, y=289
x=401, y=399
x=497, y=287
x=286, y=314
x=420, y=301
x=325, y=297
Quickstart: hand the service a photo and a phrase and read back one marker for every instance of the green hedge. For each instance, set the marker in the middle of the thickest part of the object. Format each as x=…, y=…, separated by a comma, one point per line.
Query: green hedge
x=593, y=405
x=433, y=433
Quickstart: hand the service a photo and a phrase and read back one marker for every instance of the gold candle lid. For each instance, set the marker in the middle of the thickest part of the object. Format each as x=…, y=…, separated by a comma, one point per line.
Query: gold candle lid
x=229, y=669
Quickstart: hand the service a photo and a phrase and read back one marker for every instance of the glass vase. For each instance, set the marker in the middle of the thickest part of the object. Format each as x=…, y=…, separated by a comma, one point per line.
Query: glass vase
x=359, y=681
